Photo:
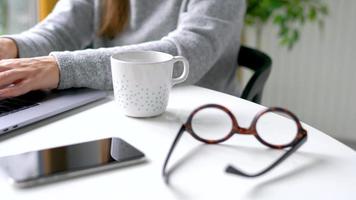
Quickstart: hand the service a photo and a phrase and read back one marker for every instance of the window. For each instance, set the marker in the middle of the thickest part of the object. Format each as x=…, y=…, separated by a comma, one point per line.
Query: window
x=17, y=15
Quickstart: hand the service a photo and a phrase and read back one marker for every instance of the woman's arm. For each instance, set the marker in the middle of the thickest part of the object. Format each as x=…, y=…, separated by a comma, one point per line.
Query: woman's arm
x=68, y=27
x=202, y=34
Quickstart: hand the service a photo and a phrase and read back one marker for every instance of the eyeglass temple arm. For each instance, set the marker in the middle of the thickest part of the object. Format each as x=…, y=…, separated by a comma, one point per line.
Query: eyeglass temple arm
x=232, y=170
x=164, y=172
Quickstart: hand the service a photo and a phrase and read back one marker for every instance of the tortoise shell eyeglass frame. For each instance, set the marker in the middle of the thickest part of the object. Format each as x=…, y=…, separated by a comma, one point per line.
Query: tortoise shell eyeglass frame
x=300, y=138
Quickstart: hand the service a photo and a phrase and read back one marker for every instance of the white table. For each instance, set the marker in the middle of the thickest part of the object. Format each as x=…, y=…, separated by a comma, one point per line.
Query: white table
x=322, y=168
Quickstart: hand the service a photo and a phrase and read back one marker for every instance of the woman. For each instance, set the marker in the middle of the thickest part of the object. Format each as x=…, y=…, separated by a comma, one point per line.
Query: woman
x=50, y=55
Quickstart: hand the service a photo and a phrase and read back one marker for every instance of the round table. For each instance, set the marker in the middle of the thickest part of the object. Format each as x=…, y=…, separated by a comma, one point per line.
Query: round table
x=322, y=168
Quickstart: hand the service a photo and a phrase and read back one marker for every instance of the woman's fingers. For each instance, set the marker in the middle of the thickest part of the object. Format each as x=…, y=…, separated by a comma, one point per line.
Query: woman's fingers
x=11, y=76
x=19, y=76
x=3, y=66
x=6, y=64
x=13, y=83
x=2, y=69
x=15, y=90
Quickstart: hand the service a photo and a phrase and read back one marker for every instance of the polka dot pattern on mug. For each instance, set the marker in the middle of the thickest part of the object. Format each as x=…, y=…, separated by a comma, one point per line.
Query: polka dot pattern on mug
x=140, y=99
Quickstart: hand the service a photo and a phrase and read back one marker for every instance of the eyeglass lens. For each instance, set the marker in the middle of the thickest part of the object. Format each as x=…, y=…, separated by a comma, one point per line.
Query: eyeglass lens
x=211, y=124
x=276, y=128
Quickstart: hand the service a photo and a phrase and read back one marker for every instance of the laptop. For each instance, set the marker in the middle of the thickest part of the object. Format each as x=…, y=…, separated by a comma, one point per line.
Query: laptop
x=37, y=105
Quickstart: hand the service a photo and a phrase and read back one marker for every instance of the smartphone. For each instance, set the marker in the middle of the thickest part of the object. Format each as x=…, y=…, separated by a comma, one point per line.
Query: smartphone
x=54, y=164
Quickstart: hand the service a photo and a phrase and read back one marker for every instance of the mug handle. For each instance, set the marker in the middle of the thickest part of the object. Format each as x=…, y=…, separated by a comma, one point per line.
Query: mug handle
x=185, y=73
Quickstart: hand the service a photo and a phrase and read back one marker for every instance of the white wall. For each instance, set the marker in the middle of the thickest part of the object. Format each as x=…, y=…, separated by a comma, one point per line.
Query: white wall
x=317, y=79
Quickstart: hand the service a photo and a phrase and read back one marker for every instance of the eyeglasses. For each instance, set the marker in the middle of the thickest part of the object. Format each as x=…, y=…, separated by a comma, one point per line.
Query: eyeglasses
x=274, y=127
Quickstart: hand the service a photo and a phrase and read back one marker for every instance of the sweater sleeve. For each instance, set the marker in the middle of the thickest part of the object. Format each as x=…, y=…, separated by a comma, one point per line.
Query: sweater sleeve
x=63, y=29
x=203, y=32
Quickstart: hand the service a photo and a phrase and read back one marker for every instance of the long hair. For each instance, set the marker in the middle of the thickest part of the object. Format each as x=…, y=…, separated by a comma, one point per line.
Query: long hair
x=114, y=17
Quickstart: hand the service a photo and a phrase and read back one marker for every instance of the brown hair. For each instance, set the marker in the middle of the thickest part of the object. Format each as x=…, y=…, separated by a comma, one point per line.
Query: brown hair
x=114, y=17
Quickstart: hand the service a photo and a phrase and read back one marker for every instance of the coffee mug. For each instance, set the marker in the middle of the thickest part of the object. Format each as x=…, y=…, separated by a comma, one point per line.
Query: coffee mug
x=142, y=81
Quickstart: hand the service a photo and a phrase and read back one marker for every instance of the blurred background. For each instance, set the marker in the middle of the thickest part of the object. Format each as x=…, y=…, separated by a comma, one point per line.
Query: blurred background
x=17, y=15
x=311, y=43
x=316, y=76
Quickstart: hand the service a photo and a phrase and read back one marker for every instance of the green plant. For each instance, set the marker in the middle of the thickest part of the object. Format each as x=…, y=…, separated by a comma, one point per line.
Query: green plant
x=288, y=15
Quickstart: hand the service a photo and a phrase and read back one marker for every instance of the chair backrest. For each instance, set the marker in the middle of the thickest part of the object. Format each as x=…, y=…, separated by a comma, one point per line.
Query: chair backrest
x=261, y=65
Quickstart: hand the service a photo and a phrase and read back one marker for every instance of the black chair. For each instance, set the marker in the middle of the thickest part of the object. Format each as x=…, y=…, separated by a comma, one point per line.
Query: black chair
x=261, y=65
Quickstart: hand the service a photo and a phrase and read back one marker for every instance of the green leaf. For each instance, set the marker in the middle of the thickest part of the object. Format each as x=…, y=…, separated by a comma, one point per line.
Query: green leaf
x=324, y=10
x=279, y=19
x=287, y=15
x=312, y=14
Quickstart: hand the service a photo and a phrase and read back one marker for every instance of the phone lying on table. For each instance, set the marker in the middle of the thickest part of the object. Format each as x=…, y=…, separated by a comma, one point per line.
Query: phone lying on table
x=48, y=165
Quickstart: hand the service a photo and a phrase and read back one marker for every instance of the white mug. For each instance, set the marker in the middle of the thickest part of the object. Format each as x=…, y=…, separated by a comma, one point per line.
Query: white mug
x=142, y=81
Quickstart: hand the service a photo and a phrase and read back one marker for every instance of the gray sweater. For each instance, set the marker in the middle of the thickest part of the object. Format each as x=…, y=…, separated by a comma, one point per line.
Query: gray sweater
x=206, y=32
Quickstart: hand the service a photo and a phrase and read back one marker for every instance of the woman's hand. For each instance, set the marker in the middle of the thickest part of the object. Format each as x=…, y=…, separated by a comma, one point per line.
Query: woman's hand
x=19, y=76
x=8, y=48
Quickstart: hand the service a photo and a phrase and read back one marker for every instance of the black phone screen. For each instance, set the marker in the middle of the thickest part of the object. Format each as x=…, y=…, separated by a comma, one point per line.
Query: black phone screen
x=76, y=157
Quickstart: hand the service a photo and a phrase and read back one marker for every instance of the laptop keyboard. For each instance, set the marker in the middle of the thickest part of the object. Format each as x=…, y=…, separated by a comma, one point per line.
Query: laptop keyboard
x=8, y=106
x=12, y=105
